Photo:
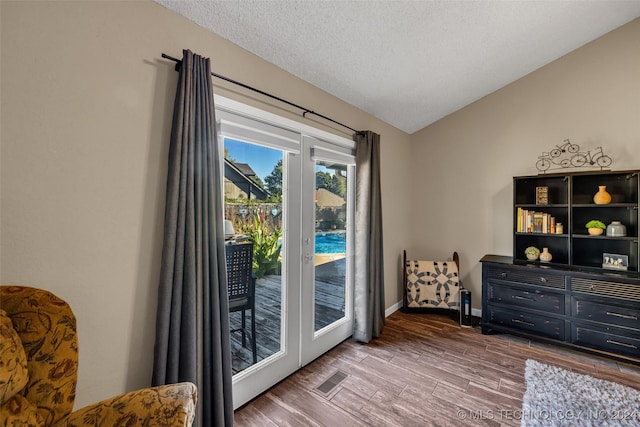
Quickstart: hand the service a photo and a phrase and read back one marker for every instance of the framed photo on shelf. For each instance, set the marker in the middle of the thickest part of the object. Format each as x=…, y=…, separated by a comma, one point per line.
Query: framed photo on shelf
x=615, y=261
x=542, y=195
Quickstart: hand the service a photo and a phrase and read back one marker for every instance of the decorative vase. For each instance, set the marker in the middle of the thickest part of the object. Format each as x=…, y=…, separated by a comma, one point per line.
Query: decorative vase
x=595, y=231
x=602, y=197
x=616, y=229
x=545, y=255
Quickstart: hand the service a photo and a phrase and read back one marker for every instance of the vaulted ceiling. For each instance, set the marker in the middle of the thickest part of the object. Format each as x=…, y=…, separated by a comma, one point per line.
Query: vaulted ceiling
x=408, y=63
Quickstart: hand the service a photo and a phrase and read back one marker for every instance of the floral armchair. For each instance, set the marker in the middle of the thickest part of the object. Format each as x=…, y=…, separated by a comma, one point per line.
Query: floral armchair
x=38, y=371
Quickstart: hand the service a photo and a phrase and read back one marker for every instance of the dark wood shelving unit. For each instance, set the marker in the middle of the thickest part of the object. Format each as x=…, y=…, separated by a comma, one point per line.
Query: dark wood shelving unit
x=570, y=198
x=571, y=301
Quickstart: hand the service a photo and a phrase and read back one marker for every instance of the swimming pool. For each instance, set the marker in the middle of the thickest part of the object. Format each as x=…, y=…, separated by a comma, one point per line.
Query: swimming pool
x=331, y=243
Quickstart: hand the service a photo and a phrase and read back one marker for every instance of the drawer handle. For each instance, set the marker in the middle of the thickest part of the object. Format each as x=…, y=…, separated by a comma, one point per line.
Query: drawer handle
x=624, y=316
x=624, y=344
x=543, y=279
x=523, y=322
x=523, y=298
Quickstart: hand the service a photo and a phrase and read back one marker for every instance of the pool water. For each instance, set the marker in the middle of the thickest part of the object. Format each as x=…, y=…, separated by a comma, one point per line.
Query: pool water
x=331, y=243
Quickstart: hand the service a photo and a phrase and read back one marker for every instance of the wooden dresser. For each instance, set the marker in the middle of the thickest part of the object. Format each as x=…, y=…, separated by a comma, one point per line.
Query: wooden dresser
x=597, y=312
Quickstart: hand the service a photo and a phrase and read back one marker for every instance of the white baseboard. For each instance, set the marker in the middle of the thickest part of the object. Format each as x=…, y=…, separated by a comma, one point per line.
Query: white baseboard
x=395, y=307
x=476, y=312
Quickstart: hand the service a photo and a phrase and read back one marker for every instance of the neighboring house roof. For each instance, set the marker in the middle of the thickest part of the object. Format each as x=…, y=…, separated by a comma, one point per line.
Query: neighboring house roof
x=241, y=180
x=326, y=199
x=245, y=169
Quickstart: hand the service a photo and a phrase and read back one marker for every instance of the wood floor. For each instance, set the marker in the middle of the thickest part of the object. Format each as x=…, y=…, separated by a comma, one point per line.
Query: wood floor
x=423, y=371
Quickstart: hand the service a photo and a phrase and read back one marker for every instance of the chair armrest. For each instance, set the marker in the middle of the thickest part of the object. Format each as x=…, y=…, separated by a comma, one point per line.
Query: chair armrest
x=166, y=405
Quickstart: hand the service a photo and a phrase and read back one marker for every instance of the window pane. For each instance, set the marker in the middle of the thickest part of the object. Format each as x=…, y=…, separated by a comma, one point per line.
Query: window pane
x=330, y=243
x=253, y=204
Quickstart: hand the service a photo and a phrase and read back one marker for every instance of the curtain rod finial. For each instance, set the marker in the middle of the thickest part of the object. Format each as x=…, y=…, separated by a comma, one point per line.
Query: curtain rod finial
x=176, y=60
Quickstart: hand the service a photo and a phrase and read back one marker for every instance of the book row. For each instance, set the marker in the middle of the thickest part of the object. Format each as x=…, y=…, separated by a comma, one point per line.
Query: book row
x=537, y=222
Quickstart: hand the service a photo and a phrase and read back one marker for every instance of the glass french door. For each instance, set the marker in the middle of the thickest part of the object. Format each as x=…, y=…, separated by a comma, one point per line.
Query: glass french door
x=327, y=247
x=291, y=196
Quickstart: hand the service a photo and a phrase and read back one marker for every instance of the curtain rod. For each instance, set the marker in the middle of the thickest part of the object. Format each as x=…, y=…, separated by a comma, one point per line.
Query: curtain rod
x=261, y=92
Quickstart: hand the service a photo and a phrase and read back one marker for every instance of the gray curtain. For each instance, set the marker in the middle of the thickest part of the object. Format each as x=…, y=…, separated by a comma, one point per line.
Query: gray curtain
x=369, y=269
x=192, y=325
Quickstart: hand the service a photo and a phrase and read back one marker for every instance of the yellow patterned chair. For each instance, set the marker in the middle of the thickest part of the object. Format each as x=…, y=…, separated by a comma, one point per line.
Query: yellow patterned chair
x=38, y=371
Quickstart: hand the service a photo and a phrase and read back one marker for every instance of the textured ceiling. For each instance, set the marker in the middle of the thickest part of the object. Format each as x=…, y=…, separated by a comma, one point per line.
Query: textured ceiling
x=409, y=63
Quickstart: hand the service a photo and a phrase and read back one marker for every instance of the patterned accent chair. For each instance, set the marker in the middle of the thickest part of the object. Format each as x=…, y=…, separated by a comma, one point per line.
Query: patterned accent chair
x=431, y=285
x=39, y=365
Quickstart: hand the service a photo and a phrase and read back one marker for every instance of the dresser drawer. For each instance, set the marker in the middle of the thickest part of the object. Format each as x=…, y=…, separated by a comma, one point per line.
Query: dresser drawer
x=624, y=291
x=530, y=297
x=607, y=339
x=537, y=278
x=544, y=326
x=584, y=308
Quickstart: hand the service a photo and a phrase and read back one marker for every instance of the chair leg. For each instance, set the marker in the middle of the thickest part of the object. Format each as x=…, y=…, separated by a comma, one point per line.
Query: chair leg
x=244, y=327
x=253, y=335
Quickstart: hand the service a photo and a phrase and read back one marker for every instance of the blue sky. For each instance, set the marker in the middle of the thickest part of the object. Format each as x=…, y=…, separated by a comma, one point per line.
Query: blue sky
x=261, y=159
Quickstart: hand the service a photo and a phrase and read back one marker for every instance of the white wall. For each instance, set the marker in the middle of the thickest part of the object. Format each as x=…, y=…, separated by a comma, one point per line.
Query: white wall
x=463, y=164
x=86, y=112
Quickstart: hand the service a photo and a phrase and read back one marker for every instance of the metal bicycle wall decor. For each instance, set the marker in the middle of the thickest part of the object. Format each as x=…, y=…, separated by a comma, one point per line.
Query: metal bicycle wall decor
x=568, y=155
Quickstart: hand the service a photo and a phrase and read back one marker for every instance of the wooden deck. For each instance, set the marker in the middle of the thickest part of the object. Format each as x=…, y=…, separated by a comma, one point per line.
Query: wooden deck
x=329, y=296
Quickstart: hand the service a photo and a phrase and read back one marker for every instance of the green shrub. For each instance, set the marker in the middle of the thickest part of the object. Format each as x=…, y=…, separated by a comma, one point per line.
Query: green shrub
x=266, y=247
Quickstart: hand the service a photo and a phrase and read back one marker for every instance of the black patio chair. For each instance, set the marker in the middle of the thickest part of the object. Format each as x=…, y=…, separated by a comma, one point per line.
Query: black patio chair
x=241, y=288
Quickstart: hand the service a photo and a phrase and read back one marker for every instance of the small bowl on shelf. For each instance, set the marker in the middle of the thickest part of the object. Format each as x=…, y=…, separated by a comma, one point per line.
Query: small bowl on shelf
x=616, y=229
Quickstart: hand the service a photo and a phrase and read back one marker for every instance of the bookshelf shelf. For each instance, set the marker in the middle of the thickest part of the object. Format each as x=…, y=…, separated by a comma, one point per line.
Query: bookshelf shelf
x=533, y=206
x=523, y=233
x=609, y=206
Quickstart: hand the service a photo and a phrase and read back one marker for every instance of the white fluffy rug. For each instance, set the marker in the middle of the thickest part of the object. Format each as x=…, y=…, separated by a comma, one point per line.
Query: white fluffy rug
x=557, y=397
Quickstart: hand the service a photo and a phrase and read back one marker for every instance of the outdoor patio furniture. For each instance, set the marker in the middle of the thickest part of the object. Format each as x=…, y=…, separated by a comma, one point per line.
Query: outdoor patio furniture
x=241, y=288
